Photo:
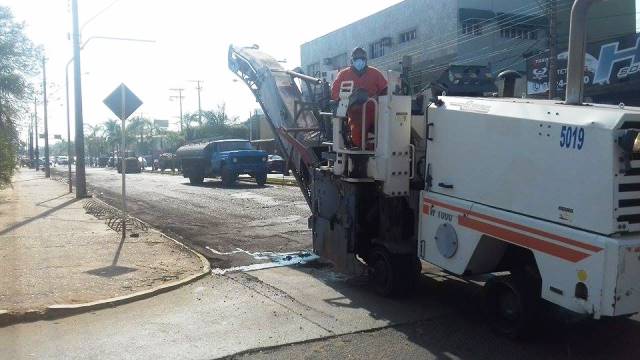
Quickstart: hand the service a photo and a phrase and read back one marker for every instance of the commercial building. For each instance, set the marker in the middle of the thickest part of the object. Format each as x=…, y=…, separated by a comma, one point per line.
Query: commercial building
x=434, y=34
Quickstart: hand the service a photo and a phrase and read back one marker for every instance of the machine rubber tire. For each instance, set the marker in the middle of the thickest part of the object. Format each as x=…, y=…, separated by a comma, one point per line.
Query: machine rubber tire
x=227, y=176
x=261, y=179
x=511, y=305
x=392, y=275
x=196, y=180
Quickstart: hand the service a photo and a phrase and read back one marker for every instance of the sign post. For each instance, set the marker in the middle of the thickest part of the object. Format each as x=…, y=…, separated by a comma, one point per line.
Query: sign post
x=122, y=102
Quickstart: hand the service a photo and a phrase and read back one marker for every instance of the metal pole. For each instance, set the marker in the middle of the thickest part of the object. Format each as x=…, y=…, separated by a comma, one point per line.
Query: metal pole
x=81, y=181
x=35, y=116
x=47, y=169
x=31, y=141
x=70, y=158
x=123, y=167
x=577, y=46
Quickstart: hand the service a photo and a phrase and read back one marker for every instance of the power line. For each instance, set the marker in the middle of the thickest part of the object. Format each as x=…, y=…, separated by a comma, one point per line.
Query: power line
x=504, y=22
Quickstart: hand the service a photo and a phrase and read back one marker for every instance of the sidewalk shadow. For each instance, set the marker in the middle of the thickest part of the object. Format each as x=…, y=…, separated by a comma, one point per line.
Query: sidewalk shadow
x=39, y=216
x=57, y=197
x=114, y=269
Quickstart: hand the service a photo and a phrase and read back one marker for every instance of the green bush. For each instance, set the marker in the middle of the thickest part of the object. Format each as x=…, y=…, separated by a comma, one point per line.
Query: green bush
x=7, y=157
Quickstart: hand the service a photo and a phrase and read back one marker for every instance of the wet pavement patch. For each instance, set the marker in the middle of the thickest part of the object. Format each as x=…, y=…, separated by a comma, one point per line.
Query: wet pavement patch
x=265, y=260
x=111, y=271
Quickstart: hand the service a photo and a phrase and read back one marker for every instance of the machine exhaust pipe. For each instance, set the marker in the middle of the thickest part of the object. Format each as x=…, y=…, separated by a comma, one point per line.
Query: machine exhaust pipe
x=577, y=49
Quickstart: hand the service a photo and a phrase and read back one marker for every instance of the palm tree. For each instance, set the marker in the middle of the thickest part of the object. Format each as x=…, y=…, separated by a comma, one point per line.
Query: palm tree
x=112, y=133
x=140, y=126
x=95, y=140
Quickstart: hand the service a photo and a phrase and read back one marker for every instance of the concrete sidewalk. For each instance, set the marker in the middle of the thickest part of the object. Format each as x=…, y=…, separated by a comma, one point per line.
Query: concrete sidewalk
x=54, y=256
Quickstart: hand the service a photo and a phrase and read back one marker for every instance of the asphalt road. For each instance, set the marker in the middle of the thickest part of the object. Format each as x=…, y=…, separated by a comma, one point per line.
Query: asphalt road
x=232, y=227
x=305, y=311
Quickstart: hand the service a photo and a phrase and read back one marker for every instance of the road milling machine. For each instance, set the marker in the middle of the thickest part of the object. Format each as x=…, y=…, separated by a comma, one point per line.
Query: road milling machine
x=545, y=191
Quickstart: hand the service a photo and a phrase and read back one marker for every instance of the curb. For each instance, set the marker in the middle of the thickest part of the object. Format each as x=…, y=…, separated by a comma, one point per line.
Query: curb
x=64, y=310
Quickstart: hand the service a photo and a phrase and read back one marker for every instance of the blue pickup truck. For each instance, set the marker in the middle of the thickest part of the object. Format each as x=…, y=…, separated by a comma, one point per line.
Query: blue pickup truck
x=224, y=158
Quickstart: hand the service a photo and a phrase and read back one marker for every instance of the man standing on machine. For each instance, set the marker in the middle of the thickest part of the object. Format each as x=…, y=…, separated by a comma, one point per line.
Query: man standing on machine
x=366, y=79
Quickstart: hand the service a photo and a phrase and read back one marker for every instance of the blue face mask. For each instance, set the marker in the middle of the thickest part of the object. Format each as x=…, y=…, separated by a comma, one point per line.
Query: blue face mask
x=359, y=64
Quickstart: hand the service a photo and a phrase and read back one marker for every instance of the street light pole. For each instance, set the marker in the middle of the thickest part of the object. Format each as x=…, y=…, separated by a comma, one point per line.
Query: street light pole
x=67, y=92
x=81, y=181
x=66, y=83
x=35, y=117
x=47, y=169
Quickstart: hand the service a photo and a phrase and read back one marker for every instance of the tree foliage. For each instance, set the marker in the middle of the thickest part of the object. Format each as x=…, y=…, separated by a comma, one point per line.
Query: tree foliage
x=17, y=64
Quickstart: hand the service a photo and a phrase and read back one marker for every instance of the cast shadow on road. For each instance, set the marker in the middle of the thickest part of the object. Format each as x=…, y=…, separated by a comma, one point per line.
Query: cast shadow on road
x=217, y=184
x=444, y=316
x=39, y=216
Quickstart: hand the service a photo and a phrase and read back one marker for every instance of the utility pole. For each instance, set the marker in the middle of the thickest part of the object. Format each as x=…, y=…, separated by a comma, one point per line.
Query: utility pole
x=81, y=181
x=552, y=9
x=199, y=88
x=47, y=169
x=69, y=157
x=35, y=116
x=31, y=142
x=179, y=97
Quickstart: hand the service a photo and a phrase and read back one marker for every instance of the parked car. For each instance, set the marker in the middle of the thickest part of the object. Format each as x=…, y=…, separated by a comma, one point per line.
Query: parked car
x=132, y=165
x=276, y=164
x=103, y=161
x=224, y=158
x=63, y=160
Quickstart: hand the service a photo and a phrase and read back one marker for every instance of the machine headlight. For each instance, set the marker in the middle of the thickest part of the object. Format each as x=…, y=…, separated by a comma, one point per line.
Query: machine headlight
x=630, y=141
x=235, y=160
x=264, y=158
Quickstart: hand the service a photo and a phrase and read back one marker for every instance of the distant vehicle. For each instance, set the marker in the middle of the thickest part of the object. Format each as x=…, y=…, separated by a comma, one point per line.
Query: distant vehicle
x=132, y=165
x=276, y=164
x=224, y=158
x=167, y=161
x=63, y=160
x=103, y=161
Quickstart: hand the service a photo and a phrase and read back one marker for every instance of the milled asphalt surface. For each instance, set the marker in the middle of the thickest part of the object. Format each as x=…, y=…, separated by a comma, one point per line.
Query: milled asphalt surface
x=246, y=216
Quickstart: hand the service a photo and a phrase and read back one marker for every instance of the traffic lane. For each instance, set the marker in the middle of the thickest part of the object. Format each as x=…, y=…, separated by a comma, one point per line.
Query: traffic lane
x=448, y=323
x=210, y=217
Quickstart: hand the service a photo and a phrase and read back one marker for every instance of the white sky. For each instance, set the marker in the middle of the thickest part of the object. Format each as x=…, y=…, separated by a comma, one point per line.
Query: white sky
x=191, y=42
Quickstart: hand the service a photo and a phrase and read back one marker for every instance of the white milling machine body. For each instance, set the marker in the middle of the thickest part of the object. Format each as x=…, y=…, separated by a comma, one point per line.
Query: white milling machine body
x=542, y=176
x=546, y=190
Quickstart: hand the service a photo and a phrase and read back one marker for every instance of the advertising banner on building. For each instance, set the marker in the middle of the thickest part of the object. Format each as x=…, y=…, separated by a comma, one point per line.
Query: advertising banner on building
x=607, y=63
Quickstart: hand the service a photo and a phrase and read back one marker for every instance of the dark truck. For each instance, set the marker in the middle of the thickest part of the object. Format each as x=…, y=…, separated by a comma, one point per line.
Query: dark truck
x=224, y=158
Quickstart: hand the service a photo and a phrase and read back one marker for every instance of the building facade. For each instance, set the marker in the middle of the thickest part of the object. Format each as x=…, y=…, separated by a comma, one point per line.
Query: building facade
x=433, y=34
